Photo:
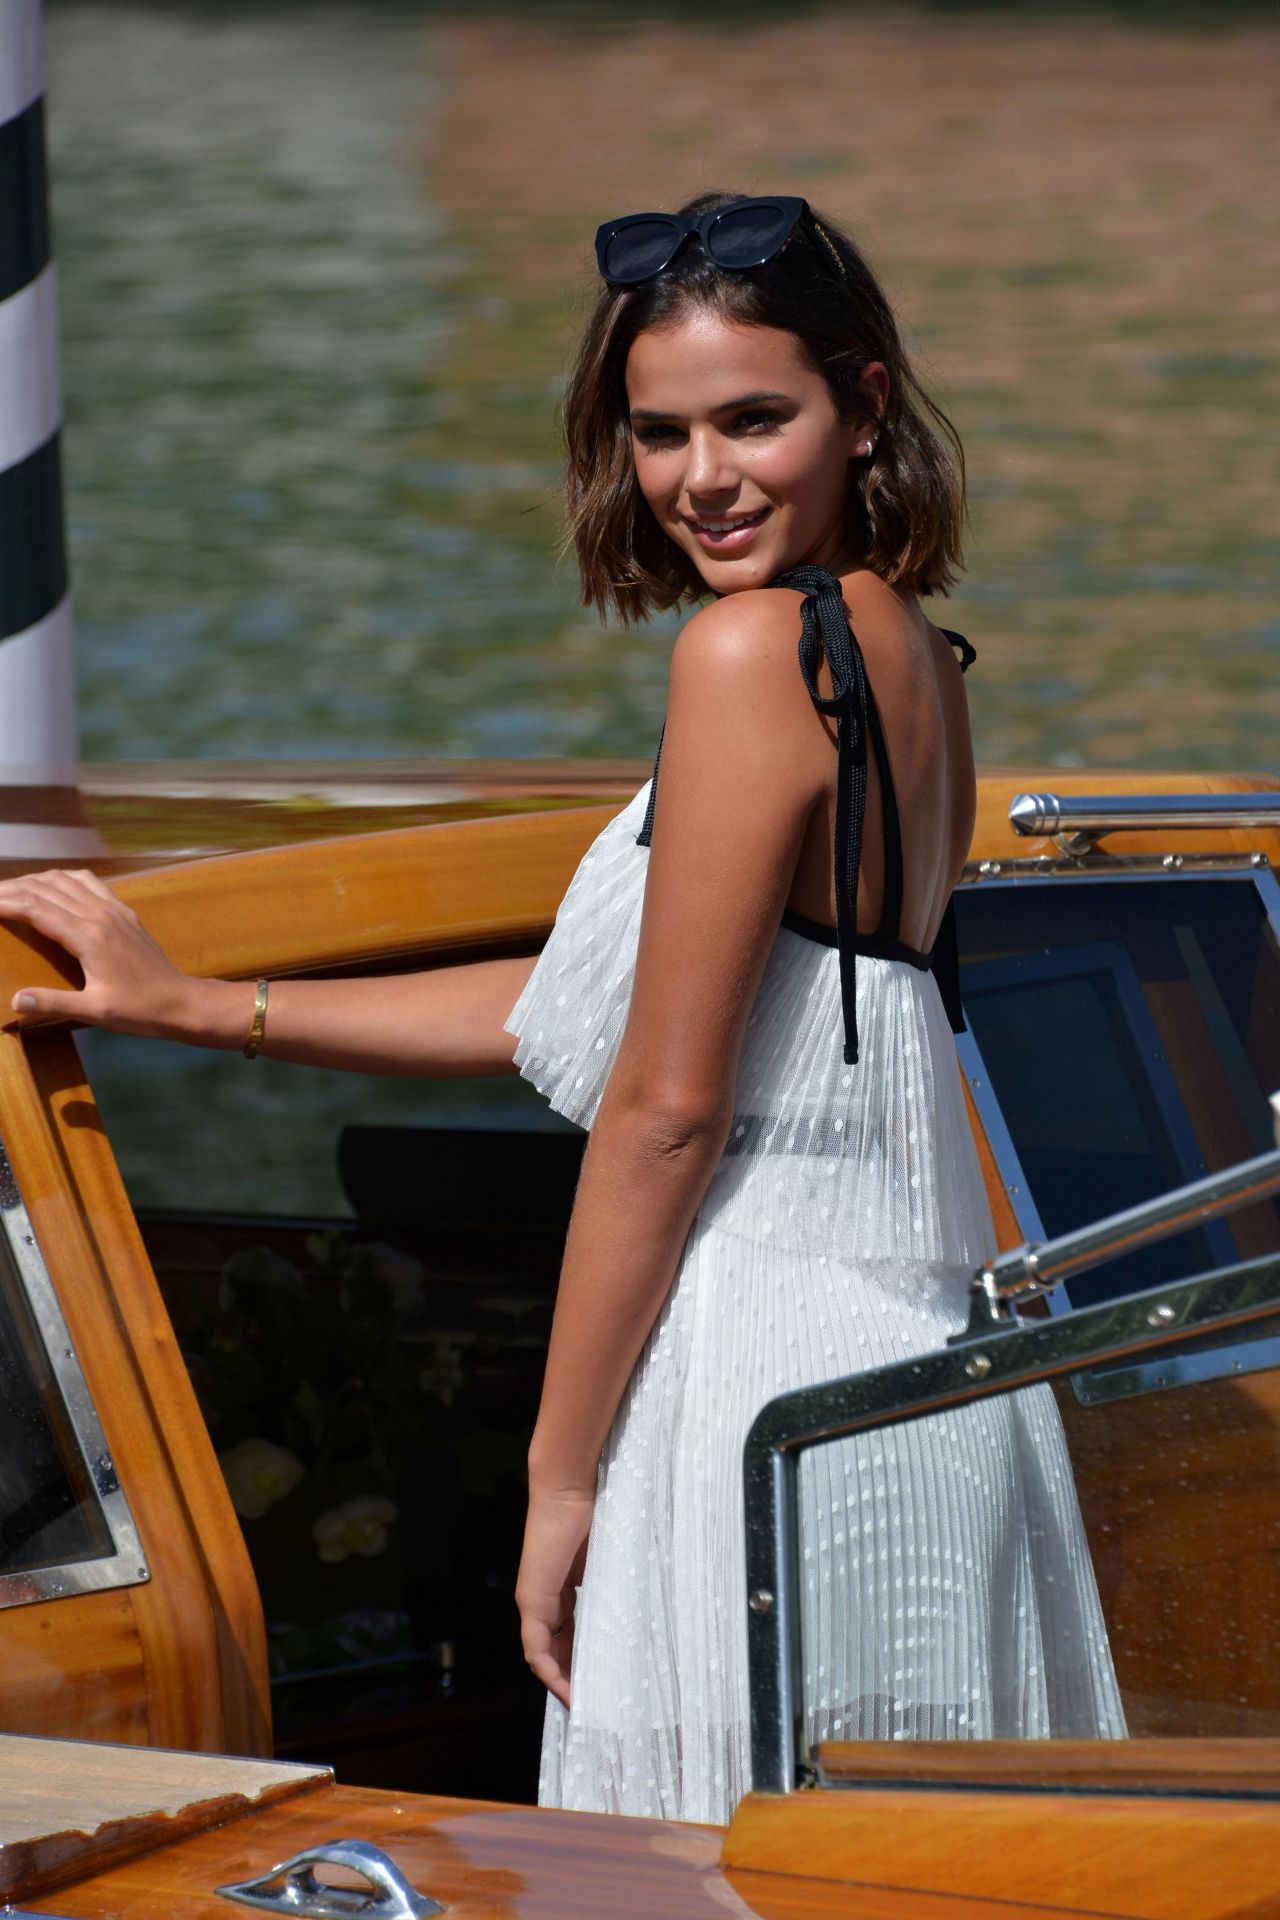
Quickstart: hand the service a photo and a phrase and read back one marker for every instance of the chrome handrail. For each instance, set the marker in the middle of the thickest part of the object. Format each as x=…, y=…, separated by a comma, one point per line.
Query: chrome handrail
x=1078, y=821
x=1037, y=1267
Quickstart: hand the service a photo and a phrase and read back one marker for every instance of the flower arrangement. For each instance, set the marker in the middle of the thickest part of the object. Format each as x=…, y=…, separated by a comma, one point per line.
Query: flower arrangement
x=323, y=1391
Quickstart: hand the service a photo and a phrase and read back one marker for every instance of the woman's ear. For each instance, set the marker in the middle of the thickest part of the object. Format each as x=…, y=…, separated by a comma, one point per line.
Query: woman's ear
x=873, y=382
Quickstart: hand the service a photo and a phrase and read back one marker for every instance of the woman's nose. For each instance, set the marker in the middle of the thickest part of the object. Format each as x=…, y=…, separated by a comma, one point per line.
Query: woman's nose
x=709, y=470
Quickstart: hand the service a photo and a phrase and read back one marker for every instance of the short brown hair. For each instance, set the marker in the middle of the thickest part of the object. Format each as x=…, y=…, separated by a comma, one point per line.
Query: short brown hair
x=907, y=505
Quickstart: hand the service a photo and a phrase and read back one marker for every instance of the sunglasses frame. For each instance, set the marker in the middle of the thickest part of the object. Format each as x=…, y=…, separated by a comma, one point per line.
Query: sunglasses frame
x=682, y=231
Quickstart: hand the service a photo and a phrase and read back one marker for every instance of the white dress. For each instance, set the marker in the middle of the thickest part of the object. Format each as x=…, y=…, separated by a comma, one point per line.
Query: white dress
x=948, y=1586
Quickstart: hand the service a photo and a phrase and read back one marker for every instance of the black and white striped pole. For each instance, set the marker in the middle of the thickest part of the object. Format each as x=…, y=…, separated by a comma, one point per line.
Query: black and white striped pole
x=37, y=669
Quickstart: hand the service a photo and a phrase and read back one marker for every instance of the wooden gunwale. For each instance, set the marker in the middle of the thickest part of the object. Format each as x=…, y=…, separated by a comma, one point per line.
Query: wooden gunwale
x=471, y=888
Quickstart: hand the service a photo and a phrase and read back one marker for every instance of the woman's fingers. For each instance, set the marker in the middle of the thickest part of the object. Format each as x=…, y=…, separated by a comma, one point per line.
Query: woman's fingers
x=551, y=1570
x=47, y=911
x=130, y=985
x=548, y=1650
x=48, y=1003
x=553, y=1672
x=89, y=880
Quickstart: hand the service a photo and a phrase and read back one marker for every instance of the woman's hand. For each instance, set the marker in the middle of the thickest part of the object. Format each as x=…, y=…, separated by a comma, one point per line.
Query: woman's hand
x=555, y=1551
x=129, y=984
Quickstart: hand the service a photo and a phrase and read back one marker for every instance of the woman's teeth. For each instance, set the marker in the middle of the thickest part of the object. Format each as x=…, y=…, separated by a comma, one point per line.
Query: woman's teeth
x=729, y=526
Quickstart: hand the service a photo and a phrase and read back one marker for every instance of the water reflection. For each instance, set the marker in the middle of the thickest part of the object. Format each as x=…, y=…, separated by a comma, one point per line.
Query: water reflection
x=272, y=482
x=320, y=270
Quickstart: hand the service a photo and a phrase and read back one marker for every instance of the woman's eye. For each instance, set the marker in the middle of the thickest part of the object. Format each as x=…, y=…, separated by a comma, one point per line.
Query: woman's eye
x=758, y=420
x=654, y=436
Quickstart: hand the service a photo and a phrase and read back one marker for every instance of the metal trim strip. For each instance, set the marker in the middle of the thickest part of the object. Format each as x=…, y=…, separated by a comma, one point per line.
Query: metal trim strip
x=126, y=1565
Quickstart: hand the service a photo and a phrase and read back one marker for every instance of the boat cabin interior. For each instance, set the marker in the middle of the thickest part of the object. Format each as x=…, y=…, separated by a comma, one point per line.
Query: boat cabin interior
x=260, y=1480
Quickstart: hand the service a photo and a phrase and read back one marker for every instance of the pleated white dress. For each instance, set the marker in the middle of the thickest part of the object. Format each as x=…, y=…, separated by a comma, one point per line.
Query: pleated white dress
x=948, y=1586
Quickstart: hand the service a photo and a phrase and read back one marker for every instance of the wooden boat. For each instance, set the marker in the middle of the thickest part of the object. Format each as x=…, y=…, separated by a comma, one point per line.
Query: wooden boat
x=1121, y=947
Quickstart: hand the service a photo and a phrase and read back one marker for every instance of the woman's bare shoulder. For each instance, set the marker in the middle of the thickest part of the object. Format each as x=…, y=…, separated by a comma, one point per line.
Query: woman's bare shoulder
x=752, y=634
x=737, y=698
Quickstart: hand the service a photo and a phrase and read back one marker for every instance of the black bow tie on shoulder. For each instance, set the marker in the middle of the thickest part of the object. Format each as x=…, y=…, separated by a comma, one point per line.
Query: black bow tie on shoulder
x=825, y=630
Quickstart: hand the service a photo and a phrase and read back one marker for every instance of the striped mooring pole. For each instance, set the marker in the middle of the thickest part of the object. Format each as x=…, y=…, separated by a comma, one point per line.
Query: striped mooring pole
x=37, y=669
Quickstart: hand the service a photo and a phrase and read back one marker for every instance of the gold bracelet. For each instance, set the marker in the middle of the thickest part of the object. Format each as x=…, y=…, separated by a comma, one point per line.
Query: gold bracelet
x=259, y=1027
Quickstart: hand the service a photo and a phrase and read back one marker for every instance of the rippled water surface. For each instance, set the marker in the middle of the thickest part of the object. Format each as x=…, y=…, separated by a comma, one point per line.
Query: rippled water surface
x=320, y=270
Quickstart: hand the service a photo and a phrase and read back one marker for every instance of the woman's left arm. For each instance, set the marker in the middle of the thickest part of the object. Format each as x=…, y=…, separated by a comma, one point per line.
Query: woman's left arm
x=740, y=777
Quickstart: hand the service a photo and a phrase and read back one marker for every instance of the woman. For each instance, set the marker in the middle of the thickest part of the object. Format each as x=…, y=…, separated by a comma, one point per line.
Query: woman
x=738, y=999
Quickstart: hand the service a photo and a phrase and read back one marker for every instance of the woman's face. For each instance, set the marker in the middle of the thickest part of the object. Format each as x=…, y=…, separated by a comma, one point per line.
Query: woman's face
x=739, y=449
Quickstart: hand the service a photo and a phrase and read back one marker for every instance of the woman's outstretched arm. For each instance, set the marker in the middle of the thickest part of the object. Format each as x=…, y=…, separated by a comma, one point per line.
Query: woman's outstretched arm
x=442, y=1023
x=743, y=764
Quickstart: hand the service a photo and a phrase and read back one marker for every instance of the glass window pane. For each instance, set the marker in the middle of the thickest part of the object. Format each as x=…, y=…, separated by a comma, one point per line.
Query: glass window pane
x=49, y=1513
x=1130, y=1034
x=1027, y=1566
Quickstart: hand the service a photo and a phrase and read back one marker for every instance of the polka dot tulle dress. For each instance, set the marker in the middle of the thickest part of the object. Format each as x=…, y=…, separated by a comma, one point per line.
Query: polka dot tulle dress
x=947, y=1586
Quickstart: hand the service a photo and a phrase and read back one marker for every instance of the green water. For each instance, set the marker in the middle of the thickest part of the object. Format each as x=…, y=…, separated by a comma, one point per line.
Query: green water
x=269, y=508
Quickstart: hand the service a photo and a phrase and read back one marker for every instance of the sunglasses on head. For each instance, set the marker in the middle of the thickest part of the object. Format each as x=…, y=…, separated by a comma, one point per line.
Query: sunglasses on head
x=743, y=234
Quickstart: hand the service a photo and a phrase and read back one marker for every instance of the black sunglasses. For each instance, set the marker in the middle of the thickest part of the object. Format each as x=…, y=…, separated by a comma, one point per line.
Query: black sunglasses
x=743, y=234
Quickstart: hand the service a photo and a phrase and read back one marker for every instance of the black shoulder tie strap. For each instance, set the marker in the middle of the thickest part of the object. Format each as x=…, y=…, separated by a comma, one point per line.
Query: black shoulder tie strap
x=825, y=630
x=968, y=652
x=645, y=836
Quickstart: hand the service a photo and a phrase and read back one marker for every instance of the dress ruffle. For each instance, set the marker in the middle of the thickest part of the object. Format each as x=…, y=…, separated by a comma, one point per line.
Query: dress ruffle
x=570, y=1016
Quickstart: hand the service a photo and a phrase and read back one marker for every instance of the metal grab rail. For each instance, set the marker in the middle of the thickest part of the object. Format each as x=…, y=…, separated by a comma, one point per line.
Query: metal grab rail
x=1033, y=1269
x=1079, y=821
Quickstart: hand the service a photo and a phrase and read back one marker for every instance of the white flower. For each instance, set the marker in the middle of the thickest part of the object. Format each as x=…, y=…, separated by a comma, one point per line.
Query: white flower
x=258, y=1473
x=357, y=1526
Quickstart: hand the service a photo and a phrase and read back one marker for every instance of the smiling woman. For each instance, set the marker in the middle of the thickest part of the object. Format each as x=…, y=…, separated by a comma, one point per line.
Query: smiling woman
x=760, y=1204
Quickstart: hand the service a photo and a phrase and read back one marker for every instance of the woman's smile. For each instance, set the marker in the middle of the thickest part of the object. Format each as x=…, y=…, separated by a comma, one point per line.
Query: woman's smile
x=728, y=533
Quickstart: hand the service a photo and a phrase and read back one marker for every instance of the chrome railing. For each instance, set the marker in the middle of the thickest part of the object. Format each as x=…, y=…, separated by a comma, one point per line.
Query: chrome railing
x=1079, y=821
x=1036, y=1268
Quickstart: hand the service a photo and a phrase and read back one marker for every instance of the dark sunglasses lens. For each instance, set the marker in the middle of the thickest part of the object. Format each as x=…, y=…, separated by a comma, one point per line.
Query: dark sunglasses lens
x=641, y=249
x=747, y=236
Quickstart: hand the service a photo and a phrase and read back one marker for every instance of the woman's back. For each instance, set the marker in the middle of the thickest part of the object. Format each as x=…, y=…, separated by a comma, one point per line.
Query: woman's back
x=918, y=690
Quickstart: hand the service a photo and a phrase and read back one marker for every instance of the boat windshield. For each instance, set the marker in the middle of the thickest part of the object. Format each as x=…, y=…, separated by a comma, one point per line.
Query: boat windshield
x=1124, y=1037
